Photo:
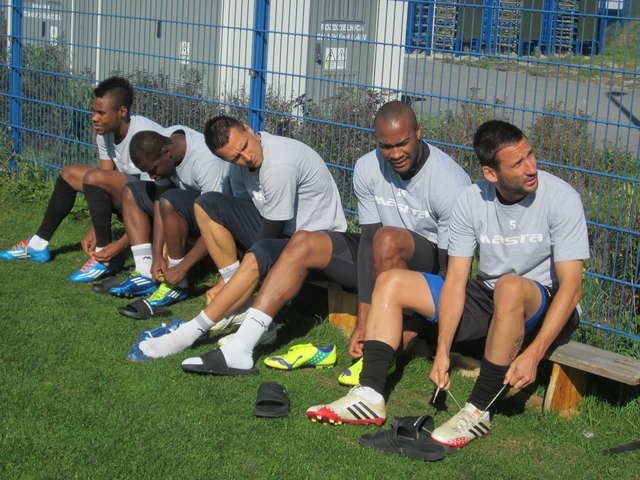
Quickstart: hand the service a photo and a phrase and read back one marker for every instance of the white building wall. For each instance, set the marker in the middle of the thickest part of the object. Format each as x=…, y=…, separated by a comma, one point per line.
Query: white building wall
x=288, y=47
x=234, y=56
x=388, y=70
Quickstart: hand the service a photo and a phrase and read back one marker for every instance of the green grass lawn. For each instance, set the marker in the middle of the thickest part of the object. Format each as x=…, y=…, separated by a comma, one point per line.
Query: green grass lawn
x=73, y=407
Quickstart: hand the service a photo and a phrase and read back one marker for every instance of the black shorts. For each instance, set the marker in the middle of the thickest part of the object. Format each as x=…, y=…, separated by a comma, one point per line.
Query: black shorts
x=143, y=193
x=238, y=215
x=343, y=268
x=242, y=219
x=267, y=251
x=425, y=255
x=182, y=201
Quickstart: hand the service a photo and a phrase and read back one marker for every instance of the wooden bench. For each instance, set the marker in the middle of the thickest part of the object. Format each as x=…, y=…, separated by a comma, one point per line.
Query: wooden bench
x=572, y=362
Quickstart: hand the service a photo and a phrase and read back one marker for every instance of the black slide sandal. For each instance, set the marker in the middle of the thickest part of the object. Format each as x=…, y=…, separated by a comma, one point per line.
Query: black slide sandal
x=272, y=401
x=213, y=363
x=410, y=437
x=141, y=310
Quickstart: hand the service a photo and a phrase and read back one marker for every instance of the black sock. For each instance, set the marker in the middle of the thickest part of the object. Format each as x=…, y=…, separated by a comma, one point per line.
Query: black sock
x=378, y=357
x=488, y=384
x=60, y=204
x=100, y=208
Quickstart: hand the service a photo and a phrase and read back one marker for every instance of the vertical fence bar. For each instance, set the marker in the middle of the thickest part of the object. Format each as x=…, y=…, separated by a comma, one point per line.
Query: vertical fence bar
x=257, y=89
x=15, y=80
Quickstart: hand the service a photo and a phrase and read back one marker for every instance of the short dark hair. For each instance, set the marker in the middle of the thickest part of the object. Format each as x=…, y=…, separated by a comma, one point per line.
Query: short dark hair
x=493, y=136
x=118, y=88
x=216, y=131
x=146, y=144
x=392, y=111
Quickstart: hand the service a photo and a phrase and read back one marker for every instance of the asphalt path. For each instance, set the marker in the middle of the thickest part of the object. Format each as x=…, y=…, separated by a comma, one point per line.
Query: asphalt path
x=613, y=113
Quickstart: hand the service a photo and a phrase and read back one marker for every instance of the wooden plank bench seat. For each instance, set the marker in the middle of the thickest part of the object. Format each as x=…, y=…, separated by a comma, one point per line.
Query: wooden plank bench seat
x=572, y=362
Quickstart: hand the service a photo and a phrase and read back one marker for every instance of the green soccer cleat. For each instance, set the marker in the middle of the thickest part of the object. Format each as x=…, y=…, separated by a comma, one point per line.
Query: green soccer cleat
x=304, y=355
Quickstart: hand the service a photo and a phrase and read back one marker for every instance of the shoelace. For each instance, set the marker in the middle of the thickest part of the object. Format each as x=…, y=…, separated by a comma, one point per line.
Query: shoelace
x=450, y=393
x=160, y=292
x=88, y=264
x=466, y=421
x=21, y=243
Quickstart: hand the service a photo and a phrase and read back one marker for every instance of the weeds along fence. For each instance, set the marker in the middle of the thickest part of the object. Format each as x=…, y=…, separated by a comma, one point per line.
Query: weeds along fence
x=566, y=71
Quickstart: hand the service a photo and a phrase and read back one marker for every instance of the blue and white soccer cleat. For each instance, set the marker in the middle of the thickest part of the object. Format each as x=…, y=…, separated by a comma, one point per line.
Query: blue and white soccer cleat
x=20, y=251
x=136, y=285
x=90, y=271
x=160, y=330
x=165, y=294
x=136, y=355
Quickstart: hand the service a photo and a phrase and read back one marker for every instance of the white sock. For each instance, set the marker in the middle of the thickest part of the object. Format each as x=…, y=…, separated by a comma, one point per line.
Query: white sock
x=37, y=243
x=142, y=258
x=370, y=394
x=177, y=341
x=238, y=352
x=174, y=262
x=227, y=272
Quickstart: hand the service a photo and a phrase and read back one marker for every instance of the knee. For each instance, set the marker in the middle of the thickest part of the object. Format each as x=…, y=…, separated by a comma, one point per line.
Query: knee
x=209, y=206
x=202, y=217
x=509, y=292
x=387, y=285
x=250, y=264
x=92, y=177
x=166, y=208
x=385, y=242
x=71, y=174
x=127, y=196
x=299, y=247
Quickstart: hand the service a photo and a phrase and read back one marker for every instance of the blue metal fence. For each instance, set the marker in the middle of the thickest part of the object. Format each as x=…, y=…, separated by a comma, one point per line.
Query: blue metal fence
x=565, y=70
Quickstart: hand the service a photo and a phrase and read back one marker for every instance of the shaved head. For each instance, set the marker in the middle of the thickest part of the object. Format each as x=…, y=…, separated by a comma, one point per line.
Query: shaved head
x=393, y=112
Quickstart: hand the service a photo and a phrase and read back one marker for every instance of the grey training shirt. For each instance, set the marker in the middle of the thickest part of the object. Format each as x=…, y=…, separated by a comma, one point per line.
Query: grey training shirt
x=293, y=184
x=421, y=204
x=525, y=238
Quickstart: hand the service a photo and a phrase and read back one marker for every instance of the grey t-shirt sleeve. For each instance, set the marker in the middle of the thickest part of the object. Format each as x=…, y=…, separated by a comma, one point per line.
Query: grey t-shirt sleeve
x=568, y=228
x=445, y=192
x=103, y=153
x=367, y=208
x=279, y=188
x=212, y=176
x=462, y=238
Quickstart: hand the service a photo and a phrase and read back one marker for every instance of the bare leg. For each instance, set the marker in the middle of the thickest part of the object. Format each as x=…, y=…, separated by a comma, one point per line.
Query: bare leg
x=74, y=175
x=392, y=248
x=237, y=290
x=137, y=223
x=219, y=241
x=396, y=290
x=305, y=251
x=110, y=180
x=515, y=299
